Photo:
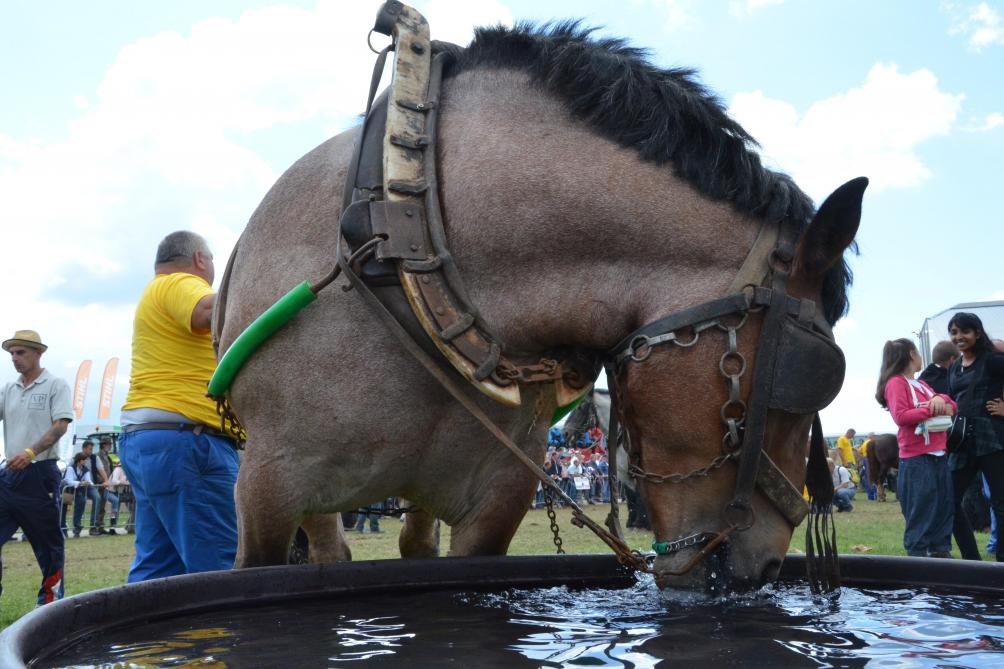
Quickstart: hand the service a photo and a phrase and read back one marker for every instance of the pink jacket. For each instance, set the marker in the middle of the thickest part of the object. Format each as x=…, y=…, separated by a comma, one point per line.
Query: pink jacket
x=908, y=416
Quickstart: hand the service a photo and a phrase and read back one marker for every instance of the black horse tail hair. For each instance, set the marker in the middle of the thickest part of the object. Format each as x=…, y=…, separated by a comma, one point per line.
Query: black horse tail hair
x=821, y=565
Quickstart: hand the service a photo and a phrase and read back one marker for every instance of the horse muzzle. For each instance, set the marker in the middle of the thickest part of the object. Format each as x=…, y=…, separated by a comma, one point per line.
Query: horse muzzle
x=720, y=566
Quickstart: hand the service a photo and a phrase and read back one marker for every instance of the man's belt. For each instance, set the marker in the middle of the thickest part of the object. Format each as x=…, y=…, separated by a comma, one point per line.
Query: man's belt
x=195, y=428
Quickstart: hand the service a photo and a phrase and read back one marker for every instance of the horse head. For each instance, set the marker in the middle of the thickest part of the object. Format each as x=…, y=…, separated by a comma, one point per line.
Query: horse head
x=689, y=411
x=634, y=187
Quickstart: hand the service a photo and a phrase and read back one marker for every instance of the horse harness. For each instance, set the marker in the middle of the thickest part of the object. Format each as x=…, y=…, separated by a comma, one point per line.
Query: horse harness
x=400, y=264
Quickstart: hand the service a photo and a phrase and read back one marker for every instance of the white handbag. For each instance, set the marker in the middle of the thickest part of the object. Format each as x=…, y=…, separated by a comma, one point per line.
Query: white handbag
x=933, y=424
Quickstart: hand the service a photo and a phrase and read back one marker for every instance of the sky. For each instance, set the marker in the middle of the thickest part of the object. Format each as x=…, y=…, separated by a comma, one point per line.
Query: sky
x=123, y=121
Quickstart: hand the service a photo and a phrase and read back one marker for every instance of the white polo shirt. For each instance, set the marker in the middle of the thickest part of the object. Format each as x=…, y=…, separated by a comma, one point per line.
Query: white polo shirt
x=29, y=411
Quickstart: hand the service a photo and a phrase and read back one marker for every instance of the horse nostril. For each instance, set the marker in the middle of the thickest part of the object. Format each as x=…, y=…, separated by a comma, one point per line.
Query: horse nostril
x=770, y=572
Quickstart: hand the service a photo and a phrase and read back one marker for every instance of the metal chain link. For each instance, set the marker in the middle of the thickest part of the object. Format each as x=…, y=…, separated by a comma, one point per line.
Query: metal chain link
x=732, y=366
x=639, y=473
x=549, y=502
x=733, y=411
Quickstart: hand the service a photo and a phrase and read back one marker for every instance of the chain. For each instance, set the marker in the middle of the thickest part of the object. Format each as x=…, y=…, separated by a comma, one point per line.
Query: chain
x=732, y=366
x=229, y=422
x=639, y=473
x=641, y=346
x=670, y=547
x=549, y=501
x=543, y=371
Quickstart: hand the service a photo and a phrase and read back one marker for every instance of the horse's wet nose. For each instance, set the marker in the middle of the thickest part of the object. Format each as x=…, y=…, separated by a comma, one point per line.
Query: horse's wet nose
x=771, y=570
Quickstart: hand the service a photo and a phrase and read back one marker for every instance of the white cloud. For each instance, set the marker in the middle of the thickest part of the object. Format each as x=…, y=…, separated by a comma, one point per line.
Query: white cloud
x=678, y=15
x=992, y=121
x=166, y=142
x=845, y=328
x=980, y=24
x=454, y=20
x=745, y=8
x=871, y=130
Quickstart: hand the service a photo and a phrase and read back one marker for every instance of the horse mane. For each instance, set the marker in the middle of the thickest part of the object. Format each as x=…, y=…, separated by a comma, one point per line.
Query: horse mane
x=666, y=115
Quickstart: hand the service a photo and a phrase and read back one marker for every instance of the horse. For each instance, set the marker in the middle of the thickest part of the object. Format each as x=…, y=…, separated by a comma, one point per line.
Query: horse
x=882, y=457
x=584, y=193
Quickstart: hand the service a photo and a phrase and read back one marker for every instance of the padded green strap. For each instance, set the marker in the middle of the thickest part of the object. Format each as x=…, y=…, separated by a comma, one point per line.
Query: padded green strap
x=561, y=412
x=257, y=333
x=269, y=323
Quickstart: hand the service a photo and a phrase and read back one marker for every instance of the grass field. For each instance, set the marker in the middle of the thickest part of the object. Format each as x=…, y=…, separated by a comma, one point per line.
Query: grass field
x=101, y=562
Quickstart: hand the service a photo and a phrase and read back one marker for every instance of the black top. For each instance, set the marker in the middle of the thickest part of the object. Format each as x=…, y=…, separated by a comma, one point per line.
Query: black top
x=974, y=385
x=936, y=377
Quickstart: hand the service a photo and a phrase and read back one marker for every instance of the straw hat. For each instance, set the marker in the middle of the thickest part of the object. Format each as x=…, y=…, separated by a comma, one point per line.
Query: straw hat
x=27, y=338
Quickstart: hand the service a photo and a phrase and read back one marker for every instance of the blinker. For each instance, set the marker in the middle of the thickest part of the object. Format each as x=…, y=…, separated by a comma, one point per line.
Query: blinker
x=808, y=372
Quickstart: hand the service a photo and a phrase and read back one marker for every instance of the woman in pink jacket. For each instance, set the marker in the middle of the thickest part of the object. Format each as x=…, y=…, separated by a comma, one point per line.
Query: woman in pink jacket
x=924, y=483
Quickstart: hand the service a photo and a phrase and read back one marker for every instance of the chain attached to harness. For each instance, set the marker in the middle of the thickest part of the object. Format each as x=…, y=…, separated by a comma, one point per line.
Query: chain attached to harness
x=552, y=518
x=639, y=473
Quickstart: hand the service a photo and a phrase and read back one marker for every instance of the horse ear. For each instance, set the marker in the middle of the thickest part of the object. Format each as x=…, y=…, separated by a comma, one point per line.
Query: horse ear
x=831, y=231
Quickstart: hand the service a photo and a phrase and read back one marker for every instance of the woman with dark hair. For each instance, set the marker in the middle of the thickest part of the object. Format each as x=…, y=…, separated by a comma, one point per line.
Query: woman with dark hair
x=975, y=379
x=924, y=483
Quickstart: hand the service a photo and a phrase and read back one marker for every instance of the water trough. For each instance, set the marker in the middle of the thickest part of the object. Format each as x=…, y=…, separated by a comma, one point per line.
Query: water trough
x=551, y=611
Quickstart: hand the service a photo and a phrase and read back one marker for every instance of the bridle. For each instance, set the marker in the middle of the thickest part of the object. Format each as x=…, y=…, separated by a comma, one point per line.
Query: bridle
x=789, y=323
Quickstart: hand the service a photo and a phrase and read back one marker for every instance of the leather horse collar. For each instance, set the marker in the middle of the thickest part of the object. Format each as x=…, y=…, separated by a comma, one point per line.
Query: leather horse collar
x=392, y=193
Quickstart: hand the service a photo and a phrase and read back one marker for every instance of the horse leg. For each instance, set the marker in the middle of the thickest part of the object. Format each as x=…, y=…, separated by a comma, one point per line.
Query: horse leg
x=880, y=482
x=266, y=520
x=419, y=537
x=489, y=530
x=327, y=538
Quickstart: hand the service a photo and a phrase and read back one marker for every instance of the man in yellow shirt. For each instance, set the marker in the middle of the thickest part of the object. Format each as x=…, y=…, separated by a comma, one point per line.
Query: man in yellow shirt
x=863, y=459
x=182, y=468
x=846, y=450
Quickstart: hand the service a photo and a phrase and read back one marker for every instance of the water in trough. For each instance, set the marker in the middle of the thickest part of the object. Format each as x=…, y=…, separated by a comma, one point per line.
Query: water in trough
x=637, y=626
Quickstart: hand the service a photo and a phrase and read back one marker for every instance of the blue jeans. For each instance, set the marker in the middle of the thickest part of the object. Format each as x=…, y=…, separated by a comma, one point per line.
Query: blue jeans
x=186, y=521
x=374, y=518
x=924, y=491
x=80, y=497
x=992, y=544
x=842, y=498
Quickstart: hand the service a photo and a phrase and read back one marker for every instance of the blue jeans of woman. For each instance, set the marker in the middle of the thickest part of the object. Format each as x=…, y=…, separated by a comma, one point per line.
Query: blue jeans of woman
x=924, y=491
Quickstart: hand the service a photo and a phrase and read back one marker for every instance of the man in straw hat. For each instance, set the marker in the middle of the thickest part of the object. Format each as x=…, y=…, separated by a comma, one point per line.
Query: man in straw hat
x=35, y=410
x=182, y=468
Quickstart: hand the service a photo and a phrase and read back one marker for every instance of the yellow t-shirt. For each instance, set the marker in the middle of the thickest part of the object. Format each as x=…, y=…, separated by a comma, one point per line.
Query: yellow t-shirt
x=846, y=451
x=864, y=447
x=171, y=365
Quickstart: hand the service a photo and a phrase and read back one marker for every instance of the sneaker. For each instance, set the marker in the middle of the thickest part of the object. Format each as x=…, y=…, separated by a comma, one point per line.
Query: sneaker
x=111, y=531
x=76, y=534
x=95, y=532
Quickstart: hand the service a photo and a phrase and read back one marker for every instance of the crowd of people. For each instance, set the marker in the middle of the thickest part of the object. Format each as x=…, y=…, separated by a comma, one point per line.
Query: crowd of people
x=100, y=479
x=581, y=469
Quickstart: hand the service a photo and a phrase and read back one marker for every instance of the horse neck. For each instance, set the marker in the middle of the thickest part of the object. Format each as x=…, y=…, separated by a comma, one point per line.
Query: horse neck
x=562, y=236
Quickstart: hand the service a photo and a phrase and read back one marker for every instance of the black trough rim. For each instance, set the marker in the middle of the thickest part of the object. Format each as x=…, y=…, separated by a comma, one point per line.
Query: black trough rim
x=50, y=629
